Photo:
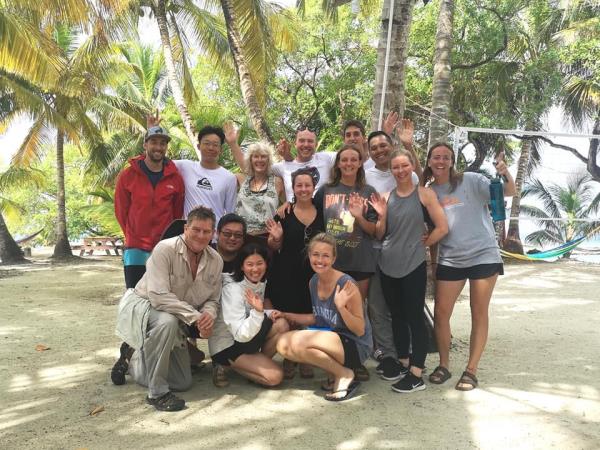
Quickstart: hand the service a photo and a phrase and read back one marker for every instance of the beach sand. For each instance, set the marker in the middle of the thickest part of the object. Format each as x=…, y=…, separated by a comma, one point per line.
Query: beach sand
x=539, y=378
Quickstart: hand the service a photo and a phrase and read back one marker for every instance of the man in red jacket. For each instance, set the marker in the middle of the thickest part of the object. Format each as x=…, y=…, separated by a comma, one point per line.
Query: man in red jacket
x=148, y=197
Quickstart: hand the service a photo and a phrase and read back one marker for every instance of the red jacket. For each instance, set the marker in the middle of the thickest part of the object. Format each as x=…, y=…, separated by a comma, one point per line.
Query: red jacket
x=143, y=211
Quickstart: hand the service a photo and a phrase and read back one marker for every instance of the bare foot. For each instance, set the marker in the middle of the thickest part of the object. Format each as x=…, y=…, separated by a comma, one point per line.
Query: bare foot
x=340, y=386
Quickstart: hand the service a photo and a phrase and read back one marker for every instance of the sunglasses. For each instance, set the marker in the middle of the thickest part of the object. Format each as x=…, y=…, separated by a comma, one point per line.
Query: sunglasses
x=310, y=128
x=307, y=235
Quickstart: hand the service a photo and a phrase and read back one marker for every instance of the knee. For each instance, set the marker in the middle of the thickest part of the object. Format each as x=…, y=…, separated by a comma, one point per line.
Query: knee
x=274, y=377
x=168, y=323
x=284, y=346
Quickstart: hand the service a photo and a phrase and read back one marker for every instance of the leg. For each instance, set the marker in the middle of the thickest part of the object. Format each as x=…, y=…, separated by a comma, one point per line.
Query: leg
x=279, y=327
x=446, y=293
x=363, y=287
x=481, y=294
x=151, y=365
x=391, y=288
x=381, y=319
x=259, y=368
x=318, y=348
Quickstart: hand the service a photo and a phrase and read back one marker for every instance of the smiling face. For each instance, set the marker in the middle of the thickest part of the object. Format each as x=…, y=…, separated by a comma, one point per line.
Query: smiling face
x=321, y=256
x=380, y=150
x=254, y=267
x=402, y=169
x=198, y=234
x=259, y=162
x=441, y=159
x=156, y=148
x=348, y=163
x=306, y=143
x=304, y=187
x=210, y=149
x=353, y=135
x=230, y=238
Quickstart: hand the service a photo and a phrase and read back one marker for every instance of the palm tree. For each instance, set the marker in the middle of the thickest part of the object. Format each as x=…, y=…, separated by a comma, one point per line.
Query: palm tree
x=442, y=71
x=572, y=203
x=10, y=252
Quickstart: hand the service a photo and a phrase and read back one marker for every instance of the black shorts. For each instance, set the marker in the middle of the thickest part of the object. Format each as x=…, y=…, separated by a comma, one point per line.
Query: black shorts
x=478, y=272
x=224, y=357
x=359, y=276
x=351, y=358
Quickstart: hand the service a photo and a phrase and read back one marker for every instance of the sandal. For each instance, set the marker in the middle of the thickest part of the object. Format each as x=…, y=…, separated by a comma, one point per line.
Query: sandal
x=439, y=375
x=468, y=381
x=289, y=369
x=306, y=371
x=350, y=391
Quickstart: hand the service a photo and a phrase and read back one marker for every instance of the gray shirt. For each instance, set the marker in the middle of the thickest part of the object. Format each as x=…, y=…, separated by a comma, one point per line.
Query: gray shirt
x=471, y=239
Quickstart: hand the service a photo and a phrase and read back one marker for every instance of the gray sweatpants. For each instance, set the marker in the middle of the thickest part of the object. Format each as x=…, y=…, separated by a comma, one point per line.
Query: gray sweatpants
x=381, y=320
x=163, y=363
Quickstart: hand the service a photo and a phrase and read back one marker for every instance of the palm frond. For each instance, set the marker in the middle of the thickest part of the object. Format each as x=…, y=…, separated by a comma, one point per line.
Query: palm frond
x=30, y=149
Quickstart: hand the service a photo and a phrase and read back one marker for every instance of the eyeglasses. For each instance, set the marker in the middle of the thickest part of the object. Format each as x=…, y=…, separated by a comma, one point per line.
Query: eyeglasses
x=210, y=143
x=229, y=235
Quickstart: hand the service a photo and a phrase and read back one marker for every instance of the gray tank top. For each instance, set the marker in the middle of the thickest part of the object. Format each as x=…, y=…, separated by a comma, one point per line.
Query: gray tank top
x=327, y=315
x=402, y=250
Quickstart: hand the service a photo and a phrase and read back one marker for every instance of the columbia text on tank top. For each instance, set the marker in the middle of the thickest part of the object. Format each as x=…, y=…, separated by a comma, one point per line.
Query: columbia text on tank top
x=322, y=161
x=327, y=315
x=213, y=188
x=257, y=207
x=402, y=249
x=471, y=239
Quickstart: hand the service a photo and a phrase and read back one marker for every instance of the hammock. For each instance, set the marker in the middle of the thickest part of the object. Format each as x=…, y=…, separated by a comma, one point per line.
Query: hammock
x=553, y=253
x=28, y=238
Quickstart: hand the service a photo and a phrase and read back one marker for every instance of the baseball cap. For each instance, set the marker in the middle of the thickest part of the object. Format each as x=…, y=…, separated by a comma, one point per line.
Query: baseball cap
x=157, y=131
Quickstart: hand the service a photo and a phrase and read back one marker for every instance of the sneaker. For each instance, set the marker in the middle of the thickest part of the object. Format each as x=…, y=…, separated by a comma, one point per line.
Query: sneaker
x=167, y=402
x=219, y=376
x=379, y=368
x=410, y=383
x=361, y=374
x=378, y=355
x=393, y=370
x=117, y=374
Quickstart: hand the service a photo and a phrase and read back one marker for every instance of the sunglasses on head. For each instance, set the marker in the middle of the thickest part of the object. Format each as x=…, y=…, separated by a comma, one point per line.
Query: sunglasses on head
x=303, y=127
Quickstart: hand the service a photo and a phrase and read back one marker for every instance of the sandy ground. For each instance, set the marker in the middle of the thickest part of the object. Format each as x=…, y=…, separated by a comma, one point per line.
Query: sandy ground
x=539, y=377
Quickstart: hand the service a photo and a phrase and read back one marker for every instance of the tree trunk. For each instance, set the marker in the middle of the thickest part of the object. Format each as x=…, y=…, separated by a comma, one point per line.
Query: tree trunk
x=259, y=121
x=442, y=72
x=160, y=12
x=394, y=92
x=513, y=242
x=62, y=248
x=10, y=252
x=592, y=164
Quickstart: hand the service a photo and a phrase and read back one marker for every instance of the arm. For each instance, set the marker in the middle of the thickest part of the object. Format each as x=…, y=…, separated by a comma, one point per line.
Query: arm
x=280, y=188
x=510, y=189
x=122, y=200
x=233, y=304
x=379, y=204
x=284, y=150
x=275, y=230
x=300, y=319
x=406, y=138
x=232, y=135
x=429, y=199
x=231, y=195
x=179, y=199
x=349, y=304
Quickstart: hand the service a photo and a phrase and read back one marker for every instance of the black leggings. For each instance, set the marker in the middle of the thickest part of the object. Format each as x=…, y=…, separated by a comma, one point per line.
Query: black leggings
x=405, y=298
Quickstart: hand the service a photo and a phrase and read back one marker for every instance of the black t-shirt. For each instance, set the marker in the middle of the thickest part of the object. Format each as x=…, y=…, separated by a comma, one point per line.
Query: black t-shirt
x=154, y=177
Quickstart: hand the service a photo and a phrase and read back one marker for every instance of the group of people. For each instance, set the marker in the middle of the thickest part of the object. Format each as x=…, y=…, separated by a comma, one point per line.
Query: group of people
x=320, y=257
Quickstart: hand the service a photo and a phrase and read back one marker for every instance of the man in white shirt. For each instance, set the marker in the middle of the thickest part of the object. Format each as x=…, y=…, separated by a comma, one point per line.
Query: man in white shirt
x=206, y=182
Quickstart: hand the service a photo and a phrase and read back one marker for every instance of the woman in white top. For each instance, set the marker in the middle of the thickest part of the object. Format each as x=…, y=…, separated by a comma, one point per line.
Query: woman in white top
x=244, y=337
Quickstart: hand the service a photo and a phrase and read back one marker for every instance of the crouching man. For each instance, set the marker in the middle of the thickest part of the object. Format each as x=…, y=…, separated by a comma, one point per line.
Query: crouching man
x=178, y=297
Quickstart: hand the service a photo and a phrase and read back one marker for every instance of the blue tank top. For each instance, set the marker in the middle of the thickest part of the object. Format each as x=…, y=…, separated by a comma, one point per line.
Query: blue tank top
x=327, y=315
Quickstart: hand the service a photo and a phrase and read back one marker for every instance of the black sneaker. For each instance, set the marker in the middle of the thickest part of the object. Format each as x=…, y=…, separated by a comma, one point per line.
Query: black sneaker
x=410, y=383
x=117, y=374
x=379, y=368
x=393, y=370
x=167, y=402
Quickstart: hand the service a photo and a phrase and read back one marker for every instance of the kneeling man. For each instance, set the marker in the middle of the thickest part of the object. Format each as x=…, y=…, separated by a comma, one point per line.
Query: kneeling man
x=178, y=297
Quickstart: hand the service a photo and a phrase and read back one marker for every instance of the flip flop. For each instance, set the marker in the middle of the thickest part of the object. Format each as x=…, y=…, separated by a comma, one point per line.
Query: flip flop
x=350, y=392
x=468, y=379
x=439, y=375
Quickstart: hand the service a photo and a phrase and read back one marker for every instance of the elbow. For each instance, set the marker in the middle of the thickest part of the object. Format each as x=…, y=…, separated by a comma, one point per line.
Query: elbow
x=443, y=230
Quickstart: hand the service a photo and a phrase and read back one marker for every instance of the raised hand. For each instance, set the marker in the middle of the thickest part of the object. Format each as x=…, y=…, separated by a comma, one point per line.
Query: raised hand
x=232, y=133
x=390, y=123
x=356, y=204
x=343, y=296
x=153, y=120
x=254, y=300
x=284, y=150
x=406, y=136
x=378, y=203
x=274, y=229
x=500, y=164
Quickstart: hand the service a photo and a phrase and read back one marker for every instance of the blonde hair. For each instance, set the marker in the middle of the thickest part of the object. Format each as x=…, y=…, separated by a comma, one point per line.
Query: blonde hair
x=258, y=148
x=323, y=238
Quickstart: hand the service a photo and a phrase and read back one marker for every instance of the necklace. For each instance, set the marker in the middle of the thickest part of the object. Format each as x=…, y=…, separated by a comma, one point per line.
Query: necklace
x=257, y=186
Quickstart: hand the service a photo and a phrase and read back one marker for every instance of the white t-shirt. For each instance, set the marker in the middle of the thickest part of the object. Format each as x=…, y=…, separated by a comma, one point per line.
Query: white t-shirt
x=384, y=181
x=368, y=164
x=213, y=188
x=322, y=161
